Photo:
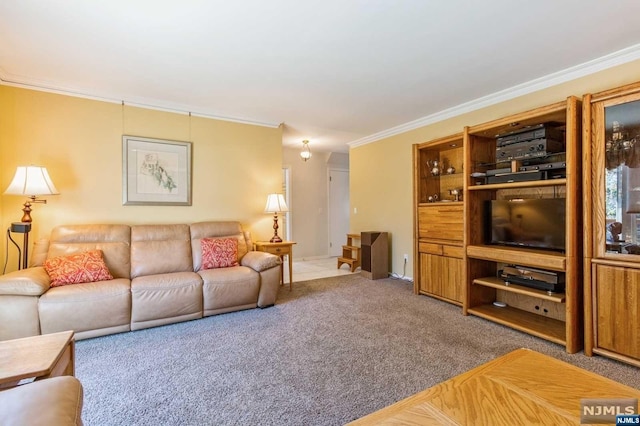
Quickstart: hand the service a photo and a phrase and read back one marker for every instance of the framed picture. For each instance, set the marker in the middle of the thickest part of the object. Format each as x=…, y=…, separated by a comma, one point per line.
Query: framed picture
x=155, y=172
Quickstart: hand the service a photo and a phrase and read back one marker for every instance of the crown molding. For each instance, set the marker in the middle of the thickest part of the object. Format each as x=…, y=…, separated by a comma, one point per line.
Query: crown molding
x=611, y=60
x=7, y=80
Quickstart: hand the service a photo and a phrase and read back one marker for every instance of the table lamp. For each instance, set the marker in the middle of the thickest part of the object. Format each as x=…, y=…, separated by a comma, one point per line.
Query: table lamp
x=275, y=205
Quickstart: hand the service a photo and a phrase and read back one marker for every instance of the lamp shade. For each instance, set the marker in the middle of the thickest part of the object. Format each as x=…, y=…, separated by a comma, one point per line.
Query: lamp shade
x=275, y=204
x=31, y=181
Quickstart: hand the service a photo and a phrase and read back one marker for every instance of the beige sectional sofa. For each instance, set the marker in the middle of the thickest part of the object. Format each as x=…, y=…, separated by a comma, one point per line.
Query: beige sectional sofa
x=157, y=279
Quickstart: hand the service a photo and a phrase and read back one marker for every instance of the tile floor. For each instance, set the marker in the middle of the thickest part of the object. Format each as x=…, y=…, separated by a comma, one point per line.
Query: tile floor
x=304, y=270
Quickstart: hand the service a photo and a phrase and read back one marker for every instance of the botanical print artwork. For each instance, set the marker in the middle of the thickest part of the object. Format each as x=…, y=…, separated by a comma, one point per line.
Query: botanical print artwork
x=156, y=172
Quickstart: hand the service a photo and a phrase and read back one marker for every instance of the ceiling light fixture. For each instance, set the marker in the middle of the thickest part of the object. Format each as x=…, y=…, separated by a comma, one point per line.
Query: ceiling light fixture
x=306, y=152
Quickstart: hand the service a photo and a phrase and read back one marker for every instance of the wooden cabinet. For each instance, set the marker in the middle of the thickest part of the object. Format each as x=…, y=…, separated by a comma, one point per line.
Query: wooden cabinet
x=612, y=217
x=616, y=310
x=438, y=219
x=375, y=255
x=441, y=276
x=552, y=316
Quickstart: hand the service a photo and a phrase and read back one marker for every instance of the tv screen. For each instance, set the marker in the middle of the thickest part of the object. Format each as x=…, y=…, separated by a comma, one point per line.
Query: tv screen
x=535, y=223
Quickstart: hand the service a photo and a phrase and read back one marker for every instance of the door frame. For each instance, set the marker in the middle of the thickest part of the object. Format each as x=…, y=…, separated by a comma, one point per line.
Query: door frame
x=329, y=170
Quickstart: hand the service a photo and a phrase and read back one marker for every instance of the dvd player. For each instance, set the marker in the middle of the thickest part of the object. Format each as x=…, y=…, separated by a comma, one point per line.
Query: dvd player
x=517, y=177
x=553, y=282
x=538, y=131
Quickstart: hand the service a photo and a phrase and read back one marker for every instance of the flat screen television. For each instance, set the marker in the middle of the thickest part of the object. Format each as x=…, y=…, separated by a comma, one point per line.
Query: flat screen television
x=534, y=223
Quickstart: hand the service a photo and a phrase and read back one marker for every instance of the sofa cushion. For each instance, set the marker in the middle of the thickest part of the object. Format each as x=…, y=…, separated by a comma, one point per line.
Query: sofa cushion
x=160, y=249
x=219, y=252
x=229, y=287
x=77, y=268
x=113, y=240
x=90, y=306
x=165, y=296
x=55, y=401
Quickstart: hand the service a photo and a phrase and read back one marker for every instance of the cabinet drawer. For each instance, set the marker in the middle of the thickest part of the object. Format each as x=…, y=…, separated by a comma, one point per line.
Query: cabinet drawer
x=441, y=221
x=430, y=248
x=280, y=251
x=453, y=251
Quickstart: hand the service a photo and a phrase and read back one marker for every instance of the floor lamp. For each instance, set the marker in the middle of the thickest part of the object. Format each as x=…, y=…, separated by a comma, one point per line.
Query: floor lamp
x=32, y=182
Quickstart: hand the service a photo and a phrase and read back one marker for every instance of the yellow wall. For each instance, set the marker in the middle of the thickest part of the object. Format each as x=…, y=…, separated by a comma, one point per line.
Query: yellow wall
x=381, y=172
x=234, y=165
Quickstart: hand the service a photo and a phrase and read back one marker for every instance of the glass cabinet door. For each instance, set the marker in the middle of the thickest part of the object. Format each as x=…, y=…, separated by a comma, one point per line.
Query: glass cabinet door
x=622, y=178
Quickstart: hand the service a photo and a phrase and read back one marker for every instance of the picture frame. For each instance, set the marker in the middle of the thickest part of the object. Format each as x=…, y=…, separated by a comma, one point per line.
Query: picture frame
x=155, y=172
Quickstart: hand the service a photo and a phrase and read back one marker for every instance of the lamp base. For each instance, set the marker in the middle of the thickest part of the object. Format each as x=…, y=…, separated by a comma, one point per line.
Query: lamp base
x=26, y=217
x=275, y=238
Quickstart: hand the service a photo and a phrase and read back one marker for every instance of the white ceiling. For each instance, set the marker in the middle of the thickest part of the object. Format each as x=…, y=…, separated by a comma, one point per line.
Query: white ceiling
x=334, y=71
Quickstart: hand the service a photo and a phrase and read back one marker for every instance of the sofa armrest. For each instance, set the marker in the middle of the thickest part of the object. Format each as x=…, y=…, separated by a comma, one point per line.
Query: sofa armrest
x=54, y=401
x=260, y=261
x=26, y=282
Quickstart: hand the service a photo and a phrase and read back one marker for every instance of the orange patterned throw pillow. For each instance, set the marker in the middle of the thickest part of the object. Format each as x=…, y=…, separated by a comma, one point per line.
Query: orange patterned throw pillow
x=219, y=252
x=78, y=268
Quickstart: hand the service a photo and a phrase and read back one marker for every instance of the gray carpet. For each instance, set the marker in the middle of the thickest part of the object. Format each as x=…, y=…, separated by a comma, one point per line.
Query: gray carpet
x=330, y=351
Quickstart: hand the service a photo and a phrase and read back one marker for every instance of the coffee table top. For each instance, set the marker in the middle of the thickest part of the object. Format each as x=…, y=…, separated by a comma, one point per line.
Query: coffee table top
x=31, y=356
x=521, y=387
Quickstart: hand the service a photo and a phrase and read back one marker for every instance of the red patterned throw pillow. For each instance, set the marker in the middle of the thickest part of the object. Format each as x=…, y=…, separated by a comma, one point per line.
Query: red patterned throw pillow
x=219, y=252
x=78, y=268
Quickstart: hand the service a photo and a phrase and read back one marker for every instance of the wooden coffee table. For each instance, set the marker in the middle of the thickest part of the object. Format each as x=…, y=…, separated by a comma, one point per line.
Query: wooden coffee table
x=36, y=357
x=521, y=387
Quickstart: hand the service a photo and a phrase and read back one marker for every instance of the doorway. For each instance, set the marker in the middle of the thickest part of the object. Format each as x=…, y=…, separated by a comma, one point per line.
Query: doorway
x=339, y=225
x=286, y=191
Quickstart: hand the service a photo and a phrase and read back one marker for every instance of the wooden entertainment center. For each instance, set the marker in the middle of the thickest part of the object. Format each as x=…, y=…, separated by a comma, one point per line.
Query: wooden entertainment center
x=599, y=308
x=449, y=234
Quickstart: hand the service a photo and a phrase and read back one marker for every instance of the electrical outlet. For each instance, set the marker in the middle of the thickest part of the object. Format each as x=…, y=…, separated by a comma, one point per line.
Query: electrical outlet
x=406, y=257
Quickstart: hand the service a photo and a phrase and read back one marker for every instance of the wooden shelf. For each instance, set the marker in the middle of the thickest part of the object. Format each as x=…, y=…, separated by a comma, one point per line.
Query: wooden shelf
x=499, y=284
x=516, y=255
x=442, y=175
x=441, y=203
x=534, y=324
x=526, y=184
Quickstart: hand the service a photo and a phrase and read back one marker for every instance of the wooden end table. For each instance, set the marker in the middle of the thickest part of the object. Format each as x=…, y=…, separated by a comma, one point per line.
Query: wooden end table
x=38, y=357
x=284, y=248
